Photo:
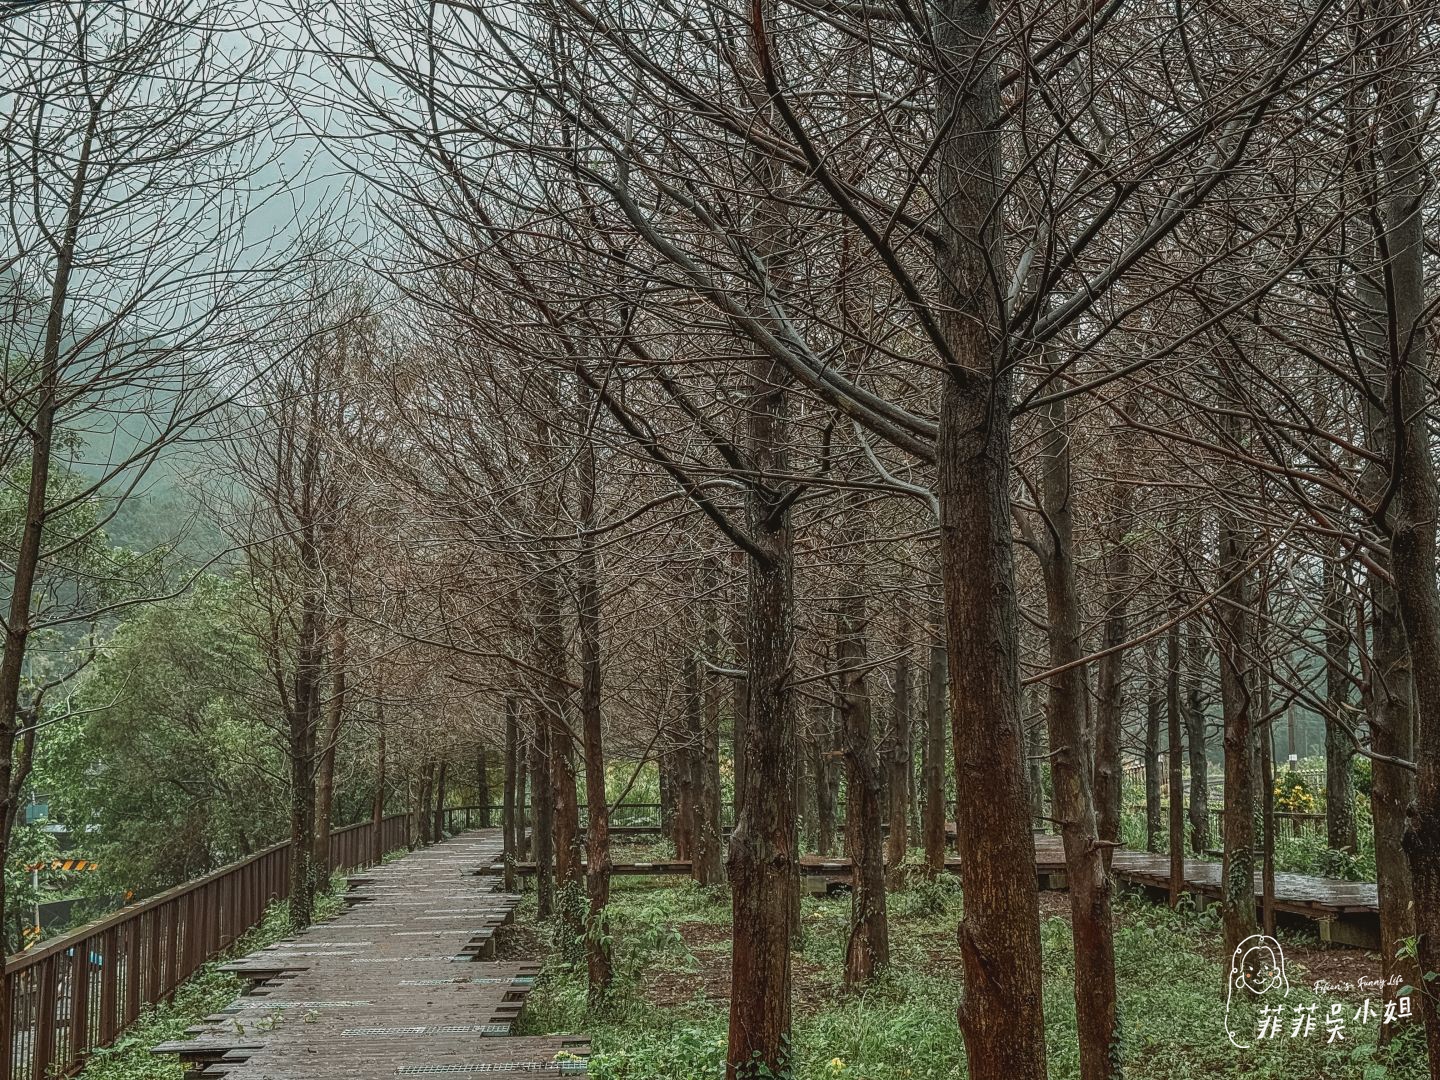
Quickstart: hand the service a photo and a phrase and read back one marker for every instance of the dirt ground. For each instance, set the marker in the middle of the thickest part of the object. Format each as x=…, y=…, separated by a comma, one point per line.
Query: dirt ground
x=710, y=944
x=1336, y=964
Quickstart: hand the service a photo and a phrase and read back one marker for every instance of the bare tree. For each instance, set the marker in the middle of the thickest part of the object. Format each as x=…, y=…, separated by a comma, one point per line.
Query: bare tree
x=127, y=136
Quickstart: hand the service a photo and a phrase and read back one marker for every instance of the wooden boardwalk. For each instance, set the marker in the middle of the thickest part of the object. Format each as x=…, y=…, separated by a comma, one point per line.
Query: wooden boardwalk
x=403, y=983
x=1347, y=912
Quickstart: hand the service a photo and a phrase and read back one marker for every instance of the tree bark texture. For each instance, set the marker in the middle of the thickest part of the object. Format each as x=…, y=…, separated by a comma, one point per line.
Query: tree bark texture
x=1339, y=743
x=867, y=949
x=1096, y=996
x=1001, y=1014
x=932, y=784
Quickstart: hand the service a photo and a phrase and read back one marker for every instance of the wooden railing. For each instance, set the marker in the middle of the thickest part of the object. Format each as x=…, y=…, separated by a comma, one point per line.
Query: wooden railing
x=1285, y=822
x=79, y=991
x=1135, y=781
x=469, y=817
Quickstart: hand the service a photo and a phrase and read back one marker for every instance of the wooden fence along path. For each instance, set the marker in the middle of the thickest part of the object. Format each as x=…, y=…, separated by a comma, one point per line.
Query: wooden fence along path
x=403, y=983
x=67, y=996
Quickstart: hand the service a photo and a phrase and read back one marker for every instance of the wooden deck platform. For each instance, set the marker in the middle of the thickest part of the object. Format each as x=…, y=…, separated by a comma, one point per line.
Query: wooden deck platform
x=1347, y=912
x=662, y=868
x=404, y=982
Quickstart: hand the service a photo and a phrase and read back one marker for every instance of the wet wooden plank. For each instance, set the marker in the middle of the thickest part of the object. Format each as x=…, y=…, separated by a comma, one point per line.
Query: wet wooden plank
x=1301, y=894
x=402, y=983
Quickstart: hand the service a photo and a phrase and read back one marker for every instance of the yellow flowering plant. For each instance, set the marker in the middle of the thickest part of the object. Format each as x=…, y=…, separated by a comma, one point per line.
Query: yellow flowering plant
x=1293, y=795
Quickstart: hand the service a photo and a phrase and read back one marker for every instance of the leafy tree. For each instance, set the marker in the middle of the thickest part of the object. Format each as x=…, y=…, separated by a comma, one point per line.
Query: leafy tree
x=167, y=755
x=29, y=844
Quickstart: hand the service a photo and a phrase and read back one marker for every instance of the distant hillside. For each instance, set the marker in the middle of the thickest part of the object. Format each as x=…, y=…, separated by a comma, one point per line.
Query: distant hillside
x=126, y=413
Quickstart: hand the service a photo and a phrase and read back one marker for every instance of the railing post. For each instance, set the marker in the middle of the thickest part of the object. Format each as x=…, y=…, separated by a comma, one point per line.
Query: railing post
x=210, y=913
x=132, y=971
x=79, y=1001
x=43, y=1048
x=109, y=983
x=7, y=1026
x=172, y=949
x=188, y=926
x=153, y=967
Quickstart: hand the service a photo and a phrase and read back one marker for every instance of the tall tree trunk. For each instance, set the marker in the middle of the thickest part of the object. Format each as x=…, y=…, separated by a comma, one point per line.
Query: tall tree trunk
x=1236, y=645
x=1110, y=673
x=1200, y=840
x=41, y=430
x=310, y=647
x=325, y=769
x=599, y=963
x=1267, y=827
x=868, y=947
x=1001, y=1014
x=377, y=811
x=441, y=775
x=1266, y=740
x=1154, y=824
x=1096, y=995
x=554, y=734
x=1412, y=489
x=510, y=827
x=1339, y=745
x=482, y=784
x=685, y=753
x=807, y=823
x=739, y=707
x=421, y=809
x=1153, y=696
x=565, y=819
x=901, y=762
x=666, y=766
x=304, y=717
x=821, y=748
x=1173, y=755
x=524, y=820
x=709, y=860
x=1035, y=760
x=1391, y=786
x=302, y=817
x=1391, y=689
x=762, y=862
x=933, y=776
x=542, y=815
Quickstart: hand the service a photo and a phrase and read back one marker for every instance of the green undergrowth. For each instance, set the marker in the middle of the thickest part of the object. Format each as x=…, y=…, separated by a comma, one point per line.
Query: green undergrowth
x=205, y=992
x=666, y=1017
x=1308, y=852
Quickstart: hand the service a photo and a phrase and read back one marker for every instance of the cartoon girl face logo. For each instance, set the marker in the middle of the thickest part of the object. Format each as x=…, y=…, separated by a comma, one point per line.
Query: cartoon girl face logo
x=1256, y=968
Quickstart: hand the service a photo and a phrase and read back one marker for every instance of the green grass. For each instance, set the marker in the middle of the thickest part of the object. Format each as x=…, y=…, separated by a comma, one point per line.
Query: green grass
x=905, y=1026
x=205, y=992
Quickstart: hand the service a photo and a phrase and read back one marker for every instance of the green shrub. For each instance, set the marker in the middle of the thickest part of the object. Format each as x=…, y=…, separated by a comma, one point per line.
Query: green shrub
x=925, y=897
x=1363, y=772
